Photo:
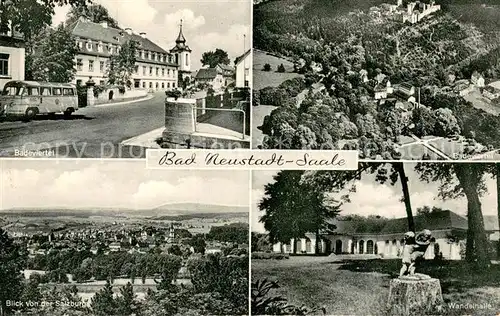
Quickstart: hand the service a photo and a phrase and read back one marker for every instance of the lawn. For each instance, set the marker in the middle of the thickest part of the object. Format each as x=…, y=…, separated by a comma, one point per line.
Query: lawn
x=451, y=148
x=262, y=79
x=416, y=152
x=479, y=102
x=361, y=287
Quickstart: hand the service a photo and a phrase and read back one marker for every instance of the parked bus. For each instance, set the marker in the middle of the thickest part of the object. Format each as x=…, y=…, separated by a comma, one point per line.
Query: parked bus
x=30, y=98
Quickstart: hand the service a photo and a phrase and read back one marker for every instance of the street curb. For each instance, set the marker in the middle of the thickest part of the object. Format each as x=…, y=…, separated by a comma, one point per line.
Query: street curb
x=149, y=97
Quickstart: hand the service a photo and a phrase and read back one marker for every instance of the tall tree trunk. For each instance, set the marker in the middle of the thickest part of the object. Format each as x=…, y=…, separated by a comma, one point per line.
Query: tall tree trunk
x=316, y=250
x=469, y=177
x=498, y=205
x=406, y=194
x=295, y=246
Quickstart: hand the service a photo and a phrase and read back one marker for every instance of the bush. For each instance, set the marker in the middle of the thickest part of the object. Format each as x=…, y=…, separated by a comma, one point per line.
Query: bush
x=267, y=67
x=281, y=68
x=270, y=255
x=173, y=94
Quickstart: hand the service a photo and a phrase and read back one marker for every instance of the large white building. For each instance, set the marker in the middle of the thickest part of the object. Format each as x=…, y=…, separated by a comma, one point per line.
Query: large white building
x=244, y=70
x=448, y=232
x=12, y=57
x=156, y=68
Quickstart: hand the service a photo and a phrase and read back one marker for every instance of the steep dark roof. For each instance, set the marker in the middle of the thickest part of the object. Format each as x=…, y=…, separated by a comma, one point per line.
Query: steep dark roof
x=95, y=31
x=180, y=43
x=240, y=58
x=207, y=73
x=433, y=221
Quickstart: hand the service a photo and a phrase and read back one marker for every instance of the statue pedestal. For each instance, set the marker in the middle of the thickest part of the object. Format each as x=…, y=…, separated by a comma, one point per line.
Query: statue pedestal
x=414, y=295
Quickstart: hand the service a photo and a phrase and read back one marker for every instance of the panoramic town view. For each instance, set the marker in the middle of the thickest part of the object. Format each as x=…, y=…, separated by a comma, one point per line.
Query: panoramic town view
x=394, y=79
x=138, y=243
x=322, y=246
x=90, y=79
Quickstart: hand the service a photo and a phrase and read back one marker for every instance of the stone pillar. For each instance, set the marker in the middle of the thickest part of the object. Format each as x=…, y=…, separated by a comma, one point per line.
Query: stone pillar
x=349, y=245
x=90, y=92
x=415, y=295
x=179, y=122
x=313, y=245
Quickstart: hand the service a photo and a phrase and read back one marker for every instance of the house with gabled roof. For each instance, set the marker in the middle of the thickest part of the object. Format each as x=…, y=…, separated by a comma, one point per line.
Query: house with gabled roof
x=210, y=76
x=156, y=68
x=387, y=240
x=243, y=65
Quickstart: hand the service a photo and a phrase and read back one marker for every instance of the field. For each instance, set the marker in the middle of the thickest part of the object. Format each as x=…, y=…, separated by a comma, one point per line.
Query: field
x=271, y=78
x=361, y=287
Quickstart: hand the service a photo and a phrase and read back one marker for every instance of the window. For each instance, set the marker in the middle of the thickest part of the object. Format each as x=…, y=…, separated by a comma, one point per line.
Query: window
x=153, y=55
x=33, y=91
x=56, y=91
x=144, y=70
x=99, y=47
x=136, y=69
x=91, y=65
x=68, y=91
x=147, y=55
x=79, y=64
x=89, y=45
x=4, y=64
x=168, y=72
x=163, y=72
x=150, y=71
x=168, y=85
x=45, y=91
x=110, y=49
x=101, y=66
x=163, y=85
x=157, y=85
x=173, y=84
x=150, y=85
x=143, y=84
x=157, y=71
x=142, y=53
x=187, y=59
x=246, y=83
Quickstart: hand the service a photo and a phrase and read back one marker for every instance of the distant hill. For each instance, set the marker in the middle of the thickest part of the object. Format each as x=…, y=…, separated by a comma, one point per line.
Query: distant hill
x=167, y=210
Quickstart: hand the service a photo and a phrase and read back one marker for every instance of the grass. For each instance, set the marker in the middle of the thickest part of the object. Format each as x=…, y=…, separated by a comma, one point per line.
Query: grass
x=416, y=151
x=270, y=78
x=360, y=287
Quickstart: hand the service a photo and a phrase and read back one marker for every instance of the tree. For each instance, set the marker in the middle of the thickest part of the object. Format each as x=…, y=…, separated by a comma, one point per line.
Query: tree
x=122, y=65
x=51, y=56
x=214, y=58
x=11, y=263
x=29, y=17
x=293, y=208
x=267, y=67
x=126, y=303
x=198, y=243
x=446, y=123
x=281, y=68
x=95, y=13
x=175, y=250
x=464, y=180
x=103, y=302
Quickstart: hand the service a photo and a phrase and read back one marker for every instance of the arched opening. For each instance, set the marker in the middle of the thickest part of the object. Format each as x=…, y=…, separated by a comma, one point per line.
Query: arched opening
x=387, y=250
x=111, y=93
x=308, y=245
x=395, y=250
x=298, y=246
x=369, y=247
x=338, y=246
x=361, y=247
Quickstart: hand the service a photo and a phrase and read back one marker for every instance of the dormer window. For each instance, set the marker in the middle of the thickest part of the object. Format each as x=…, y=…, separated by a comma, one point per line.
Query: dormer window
x=89, y=45
x=99, y=47
x=110, y=49
x=142, y=53
x=154, y=56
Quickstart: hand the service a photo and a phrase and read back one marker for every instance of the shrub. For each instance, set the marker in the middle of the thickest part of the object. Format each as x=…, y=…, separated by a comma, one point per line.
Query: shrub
x=267, y=67
x=281, y=68
x=173, y=94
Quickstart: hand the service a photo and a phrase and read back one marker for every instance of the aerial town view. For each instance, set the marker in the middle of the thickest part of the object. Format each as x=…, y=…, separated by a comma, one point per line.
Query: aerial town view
x=137, y=243
x=393, y=79
x=93, y=79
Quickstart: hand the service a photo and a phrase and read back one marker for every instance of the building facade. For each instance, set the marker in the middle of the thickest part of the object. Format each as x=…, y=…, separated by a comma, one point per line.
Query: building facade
x=448, y=232
x=212, y=77
x=244, y=70
x=12, y=57
x=156, y=68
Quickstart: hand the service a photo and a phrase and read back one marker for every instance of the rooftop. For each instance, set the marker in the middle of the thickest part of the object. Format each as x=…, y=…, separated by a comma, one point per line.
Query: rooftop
x=207, y=73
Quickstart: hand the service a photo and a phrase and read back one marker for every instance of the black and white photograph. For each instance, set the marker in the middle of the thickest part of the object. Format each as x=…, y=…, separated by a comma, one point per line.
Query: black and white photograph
x=112, y=238
x=109, y=79
x=387, y=239
x=393, y=79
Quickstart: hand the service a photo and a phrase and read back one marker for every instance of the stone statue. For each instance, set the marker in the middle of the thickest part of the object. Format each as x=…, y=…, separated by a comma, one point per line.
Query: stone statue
x=415, y=246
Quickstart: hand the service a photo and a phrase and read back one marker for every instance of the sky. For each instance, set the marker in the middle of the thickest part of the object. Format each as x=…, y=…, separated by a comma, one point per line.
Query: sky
x=207, y=24
x=384, y=200
x=117, y=184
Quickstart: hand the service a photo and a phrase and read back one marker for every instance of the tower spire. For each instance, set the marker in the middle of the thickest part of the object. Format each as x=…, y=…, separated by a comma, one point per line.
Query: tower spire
x=180, y=39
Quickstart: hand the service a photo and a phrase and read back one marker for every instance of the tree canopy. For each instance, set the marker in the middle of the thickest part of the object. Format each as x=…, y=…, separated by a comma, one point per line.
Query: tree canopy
x=95, y=13
x=214, y=58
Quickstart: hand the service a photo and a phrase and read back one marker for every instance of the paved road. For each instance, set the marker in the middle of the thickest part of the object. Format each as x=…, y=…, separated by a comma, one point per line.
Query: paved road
x=93, y=132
